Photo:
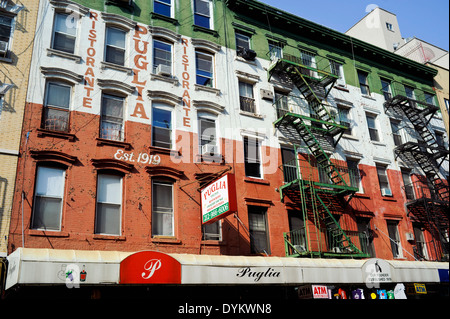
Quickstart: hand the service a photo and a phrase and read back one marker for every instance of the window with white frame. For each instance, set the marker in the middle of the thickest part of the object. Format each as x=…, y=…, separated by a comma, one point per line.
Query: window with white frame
x=275, y=50
x=203, y=13
x=163, y=7
x=246, y=97
x=162, y=208
x=242, y=41
x=6, y=26
x=64, y=33
x=363, y=78
x=208, y=140
x=162, y=127
x=409, y=90
x=386, y=89
x=204, y=68
x=373, y=127
x=396, y=133
x=389, y=26
x=252, y=157
x=115, y=46
x=212, y=231
x=354, y=174
x=162, y=57
x=344, y=118
x=111, y=126
x=338, y=69
x=109, y=205
x=48, y=198
x=394, y=236
x=383, y=180
x=57, y=107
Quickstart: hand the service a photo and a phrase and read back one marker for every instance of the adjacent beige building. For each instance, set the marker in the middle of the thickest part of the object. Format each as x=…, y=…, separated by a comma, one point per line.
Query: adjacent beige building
x=17, y=31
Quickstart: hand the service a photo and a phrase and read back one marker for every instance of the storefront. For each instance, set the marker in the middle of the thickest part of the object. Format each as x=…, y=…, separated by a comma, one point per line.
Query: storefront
x=104, y=273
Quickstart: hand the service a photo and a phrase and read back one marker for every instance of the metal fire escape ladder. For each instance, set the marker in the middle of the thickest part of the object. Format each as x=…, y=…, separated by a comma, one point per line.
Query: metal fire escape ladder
x=314, y=85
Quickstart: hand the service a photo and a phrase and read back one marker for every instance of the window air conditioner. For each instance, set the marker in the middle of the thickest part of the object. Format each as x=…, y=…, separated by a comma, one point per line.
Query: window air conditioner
x=247, y=54
x=386, y=192
x=209, y=149
x=3, y=47
x=164, y=70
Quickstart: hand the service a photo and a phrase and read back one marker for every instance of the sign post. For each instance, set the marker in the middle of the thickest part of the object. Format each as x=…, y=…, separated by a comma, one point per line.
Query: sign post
x=219, y=199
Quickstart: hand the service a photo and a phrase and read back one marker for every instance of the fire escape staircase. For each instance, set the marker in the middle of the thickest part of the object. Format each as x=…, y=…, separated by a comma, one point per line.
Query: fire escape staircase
x=426, y=152
x=314, y=196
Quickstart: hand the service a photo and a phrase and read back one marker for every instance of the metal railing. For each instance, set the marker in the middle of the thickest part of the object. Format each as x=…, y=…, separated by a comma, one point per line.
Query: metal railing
x=247, y=104
x=400, y=89
x=59, y=124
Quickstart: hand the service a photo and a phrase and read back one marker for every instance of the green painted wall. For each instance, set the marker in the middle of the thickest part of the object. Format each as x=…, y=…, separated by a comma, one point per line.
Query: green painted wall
x=226, y=21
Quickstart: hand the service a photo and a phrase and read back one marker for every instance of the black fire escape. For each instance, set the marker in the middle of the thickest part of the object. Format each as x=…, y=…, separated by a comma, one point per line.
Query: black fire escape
x=429, y=202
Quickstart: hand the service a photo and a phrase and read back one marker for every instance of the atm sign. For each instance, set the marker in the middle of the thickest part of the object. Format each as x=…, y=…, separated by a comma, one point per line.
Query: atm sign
x=320, y=292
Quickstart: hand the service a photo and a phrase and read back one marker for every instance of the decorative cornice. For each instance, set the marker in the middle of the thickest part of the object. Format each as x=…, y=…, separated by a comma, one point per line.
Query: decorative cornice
x=165, y=34
x=210, y=107
x=112, y=164
x=53, y=156
x=116, y=86
x=69, y=6
x=206, y=45
x=62, y=74
x=118, y=20
x=164, y=171
x=165, y=97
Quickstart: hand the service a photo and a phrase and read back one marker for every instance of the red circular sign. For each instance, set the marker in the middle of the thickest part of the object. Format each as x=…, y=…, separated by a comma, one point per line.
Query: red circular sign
x=150, y=267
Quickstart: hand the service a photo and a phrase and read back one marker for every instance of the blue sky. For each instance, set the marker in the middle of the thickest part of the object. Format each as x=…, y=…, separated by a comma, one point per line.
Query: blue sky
x=425, y=19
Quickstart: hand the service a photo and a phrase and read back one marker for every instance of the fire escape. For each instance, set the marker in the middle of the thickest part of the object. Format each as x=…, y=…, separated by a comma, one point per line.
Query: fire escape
x=317, y=184
x=429, y=203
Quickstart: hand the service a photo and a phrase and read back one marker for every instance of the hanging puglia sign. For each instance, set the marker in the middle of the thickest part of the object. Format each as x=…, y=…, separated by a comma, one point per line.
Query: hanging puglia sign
x=219, y=199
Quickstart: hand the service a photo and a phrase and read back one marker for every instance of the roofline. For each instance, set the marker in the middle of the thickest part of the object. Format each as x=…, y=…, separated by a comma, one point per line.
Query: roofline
x=368, y=15
x=332, y=33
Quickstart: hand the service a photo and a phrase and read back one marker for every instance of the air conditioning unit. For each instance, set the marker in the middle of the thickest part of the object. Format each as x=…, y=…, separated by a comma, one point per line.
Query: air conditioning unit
x=386, y=192
x=247, y=54
x=209, y=149
x=410, y=237
x=164, y=70
x=119, y=2
x=3, y=48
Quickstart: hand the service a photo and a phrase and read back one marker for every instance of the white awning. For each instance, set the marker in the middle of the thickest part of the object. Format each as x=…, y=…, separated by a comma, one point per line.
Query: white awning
x=59, y=267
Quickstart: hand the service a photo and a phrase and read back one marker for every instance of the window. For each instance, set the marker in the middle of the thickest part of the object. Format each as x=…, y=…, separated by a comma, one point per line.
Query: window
x=275, y=50
x=57, y=104
x=409, y=90
x=162, y=128
x=64, y=34
x=202, y=13
x=446, y=101
x=162, y=57
x=109, y=205
x=48, y=198
x=420, y=251
x=394, y=238
x=373, y=130
x=111, y=126
x=162, y=207
x=429, y=98
x=281, y=103
x=365, y=236
x=115, y=46
x=383, y=180
x=309, y=60
x=338, y=69
x=344, y=118
x=386, y=89
x=440, y=139
x=364, y=82
x=389, y=26
x=204, y=66
x=334, y=234
x=259, y=237
x=212, y=231
x=395, y=126
x=163, y=7
x=354, y=173
x=247, y=100
x=407, y=184
x=5, y=35
x=242, y=41
x=298, y=231
x=252, y=158
x=208, y=142
x=289, y=159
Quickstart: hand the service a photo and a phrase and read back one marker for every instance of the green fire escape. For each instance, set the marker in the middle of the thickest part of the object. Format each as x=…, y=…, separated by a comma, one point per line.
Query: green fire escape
x=319, y=198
